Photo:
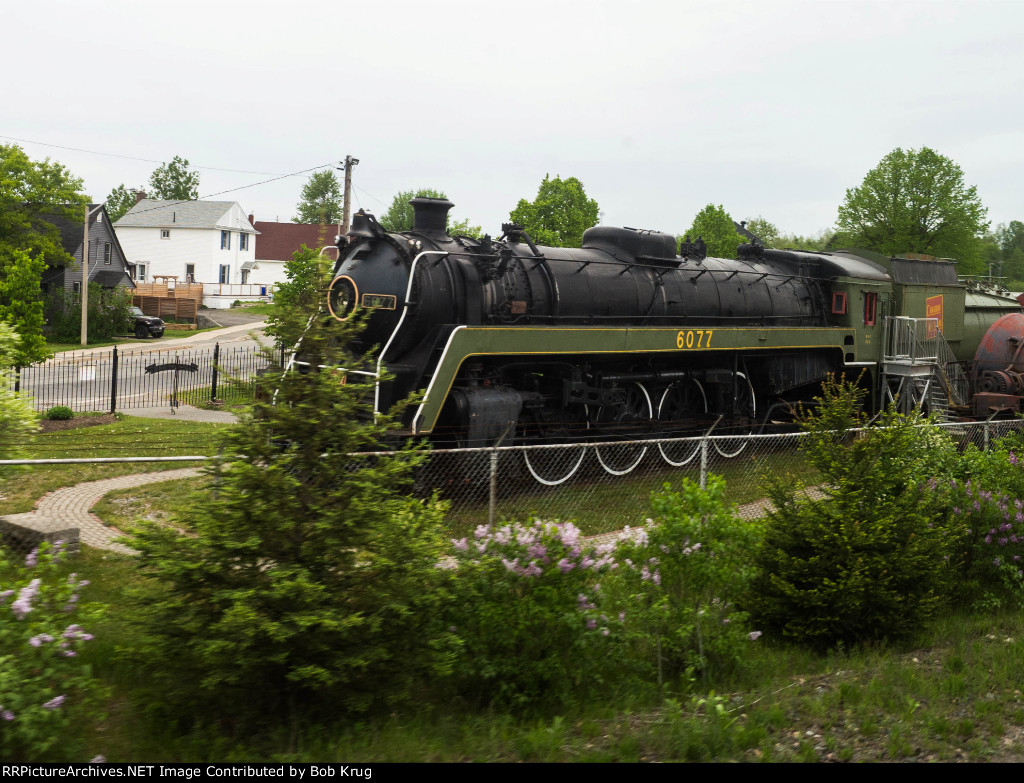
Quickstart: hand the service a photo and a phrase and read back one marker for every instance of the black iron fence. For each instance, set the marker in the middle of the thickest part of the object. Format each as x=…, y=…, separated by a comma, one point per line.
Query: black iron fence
x=117, y=380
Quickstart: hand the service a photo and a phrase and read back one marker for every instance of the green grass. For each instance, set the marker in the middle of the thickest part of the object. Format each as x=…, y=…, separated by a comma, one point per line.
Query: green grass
x=127, y=437
x=267, y=308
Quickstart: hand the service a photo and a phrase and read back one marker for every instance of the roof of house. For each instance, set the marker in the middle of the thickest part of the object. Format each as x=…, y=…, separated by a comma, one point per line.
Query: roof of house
x=278, y=241
x=151, y=213
x=71, y=236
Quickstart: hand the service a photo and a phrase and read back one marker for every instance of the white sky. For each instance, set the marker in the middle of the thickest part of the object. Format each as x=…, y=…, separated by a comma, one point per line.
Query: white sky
x=769, y=108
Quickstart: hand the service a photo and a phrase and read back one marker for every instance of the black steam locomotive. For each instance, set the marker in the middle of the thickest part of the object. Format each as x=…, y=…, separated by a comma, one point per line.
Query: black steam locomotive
x=624, y=338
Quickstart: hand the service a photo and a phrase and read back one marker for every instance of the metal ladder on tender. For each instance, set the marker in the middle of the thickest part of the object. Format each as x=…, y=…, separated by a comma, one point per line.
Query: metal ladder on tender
x=919, y=368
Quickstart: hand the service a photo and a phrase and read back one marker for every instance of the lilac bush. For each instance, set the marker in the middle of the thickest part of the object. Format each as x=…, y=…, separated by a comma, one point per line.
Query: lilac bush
x=987, y=534
x=42, y=679
x=527, y=610
x=680, y=579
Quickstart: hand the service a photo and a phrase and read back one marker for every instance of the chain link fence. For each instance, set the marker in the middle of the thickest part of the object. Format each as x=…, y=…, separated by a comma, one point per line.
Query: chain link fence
x=603, y=487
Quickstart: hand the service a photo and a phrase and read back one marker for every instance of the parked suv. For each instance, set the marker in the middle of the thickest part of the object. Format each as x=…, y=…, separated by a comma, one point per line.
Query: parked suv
x=146, y=325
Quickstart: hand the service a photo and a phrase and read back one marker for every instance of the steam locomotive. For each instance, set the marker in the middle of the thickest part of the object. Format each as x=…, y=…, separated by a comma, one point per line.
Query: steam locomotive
x=625, y=338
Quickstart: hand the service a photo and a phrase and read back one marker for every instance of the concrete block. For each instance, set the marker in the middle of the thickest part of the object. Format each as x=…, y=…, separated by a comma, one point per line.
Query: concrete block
x=24, y=532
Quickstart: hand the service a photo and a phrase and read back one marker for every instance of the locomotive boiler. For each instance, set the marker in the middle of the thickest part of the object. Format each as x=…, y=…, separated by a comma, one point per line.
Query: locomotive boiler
x=626, y=338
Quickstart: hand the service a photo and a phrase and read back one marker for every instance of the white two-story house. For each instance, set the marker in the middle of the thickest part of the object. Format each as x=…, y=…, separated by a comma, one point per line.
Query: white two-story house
x=208, y=242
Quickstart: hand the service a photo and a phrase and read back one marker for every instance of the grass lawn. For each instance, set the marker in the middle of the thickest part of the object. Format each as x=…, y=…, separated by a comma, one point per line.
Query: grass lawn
x=128, y=437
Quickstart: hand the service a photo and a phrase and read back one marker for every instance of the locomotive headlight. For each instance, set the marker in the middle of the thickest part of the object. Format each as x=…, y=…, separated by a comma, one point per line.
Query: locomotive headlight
x=342, y=297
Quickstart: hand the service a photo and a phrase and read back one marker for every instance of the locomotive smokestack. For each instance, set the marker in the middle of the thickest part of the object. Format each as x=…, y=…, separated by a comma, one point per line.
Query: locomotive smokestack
x=431, y=214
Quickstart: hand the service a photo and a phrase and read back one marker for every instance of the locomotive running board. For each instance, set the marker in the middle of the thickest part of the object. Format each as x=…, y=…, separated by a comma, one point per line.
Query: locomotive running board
x=466, y=341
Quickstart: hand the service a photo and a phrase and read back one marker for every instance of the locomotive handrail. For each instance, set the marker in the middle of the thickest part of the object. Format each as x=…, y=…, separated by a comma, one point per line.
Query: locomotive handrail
x=398, y=326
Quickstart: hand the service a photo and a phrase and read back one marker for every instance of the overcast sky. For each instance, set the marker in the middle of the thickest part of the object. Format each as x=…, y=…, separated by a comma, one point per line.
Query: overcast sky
x=768, y=108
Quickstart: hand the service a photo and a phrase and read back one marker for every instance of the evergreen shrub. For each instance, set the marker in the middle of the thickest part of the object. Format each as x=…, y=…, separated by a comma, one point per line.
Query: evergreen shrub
x=867, y=560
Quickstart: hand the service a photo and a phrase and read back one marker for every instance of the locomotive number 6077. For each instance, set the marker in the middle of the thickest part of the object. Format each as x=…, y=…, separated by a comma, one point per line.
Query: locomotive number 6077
x=694, y=338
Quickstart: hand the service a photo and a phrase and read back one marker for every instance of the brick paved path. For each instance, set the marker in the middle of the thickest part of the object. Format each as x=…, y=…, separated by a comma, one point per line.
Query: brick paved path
x=71, y=505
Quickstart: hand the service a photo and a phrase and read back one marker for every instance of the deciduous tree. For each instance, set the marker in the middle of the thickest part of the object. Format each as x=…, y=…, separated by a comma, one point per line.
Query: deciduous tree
x=321, y=200
x=915, y=201
x=119, y=201
x=717, y=229
x=767, y=232
x=31, y=192
x=174, y=181
x=400, y=216
x=560, y=213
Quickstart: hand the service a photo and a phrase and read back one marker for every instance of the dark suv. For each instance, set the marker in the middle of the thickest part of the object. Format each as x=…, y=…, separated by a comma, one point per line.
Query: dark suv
x=146, y=325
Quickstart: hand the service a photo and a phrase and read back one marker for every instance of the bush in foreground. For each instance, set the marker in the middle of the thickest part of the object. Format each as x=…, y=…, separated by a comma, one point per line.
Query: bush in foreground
x=307, y=585
x=43, y=682
x=866, y=561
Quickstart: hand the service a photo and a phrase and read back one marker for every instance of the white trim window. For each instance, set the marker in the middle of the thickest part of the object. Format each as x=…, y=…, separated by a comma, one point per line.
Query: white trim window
x=243, y=241
x=225, y=240
x=225, y=274
x=190, y=273
x=107, y=250
x=165, y=233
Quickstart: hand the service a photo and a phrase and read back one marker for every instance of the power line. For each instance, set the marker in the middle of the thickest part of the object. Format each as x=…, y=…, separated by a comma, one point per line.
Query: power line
x=129, y=157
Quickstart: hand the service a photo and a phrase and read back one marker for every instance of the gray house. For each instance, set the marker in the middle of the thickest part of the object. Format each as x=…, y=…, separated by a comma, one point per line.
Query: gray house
x=107, y=263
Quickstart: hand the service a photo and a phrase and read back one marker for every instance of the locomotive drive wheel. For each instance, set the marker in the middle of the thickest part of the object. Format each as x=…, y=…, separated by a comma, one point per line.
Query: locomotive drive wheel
x=733, y=447
x=555, y=465
x=681, y=403
x=620, y=460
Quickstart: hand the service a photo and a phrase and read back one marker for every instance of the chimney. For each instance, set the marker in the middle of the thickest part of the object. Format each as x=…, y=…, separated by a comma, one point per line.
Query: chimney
x=430, y=214
x=252, y=221
x=139, y=195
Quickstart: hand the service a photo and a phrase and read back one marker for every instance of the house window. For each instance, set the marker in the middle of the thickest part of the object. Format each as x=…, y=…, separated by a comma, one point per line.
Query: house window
x=165, y=233
x=106, y=253
x=839, y=303
x=225, y=273
x=190, y=273
x=76, y=287
x=139, y=272
x=243, y=241
x=870, y=309
x=245, y=276
x=225, y=240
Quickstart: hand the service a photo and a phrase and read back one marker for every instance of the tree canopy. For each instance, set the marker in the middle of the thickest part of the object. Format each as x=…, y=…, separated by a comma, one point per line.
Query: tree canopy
x=915, y=201
x=1010, y=248
x=764, y=230
x=560, y=213
x=321, y=199
x=174, y=181
x=31, y=193
x=119, y=201
x=717, y=229
x=400, y=215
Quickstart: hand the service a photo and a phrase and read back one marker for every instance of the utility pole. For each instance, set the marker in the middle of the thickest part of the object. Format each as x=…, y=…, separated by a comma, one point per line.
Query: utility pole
x=346, y=218
x=85, y=273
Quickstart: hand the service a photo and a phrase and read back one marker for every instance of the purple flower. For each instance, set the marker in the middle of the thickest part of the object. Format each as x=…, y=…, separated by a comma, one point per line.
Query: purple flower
x=32, y=558
x=42, y=638
x=98, y=760
x=5, y=595
x=1012, y=459
x=7, y=715
x=997, y=562
x=754, y=635
x=605, y=632
x=54, y=703
x=656, y=577
x=591, y=624
x=461, y=544
x=565, y=566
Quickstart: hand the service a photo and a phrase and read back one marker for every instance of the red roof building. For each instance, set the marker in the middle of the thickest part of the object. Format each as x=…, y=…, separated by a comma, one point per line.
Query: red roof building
x=278, y=241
